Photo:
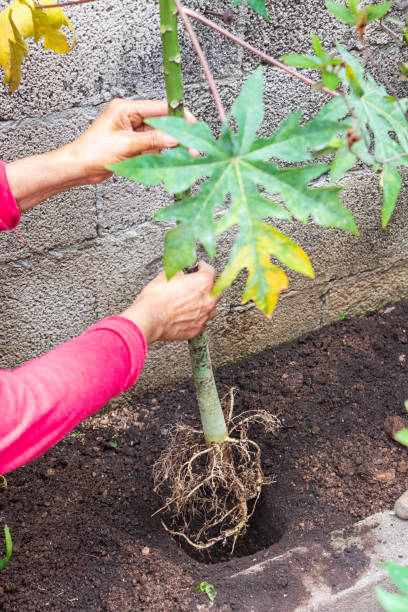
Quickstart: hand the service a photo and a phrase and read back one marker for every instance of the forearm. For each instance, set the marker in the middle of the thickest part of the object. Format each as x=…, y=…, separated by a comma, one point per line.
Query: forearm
x=45, y=398
x=34, y=179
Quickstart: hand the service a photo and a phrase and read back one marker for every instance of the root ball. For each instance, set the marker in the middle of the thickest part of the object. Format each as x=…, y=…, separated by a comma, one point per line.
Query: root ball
x=210, y=492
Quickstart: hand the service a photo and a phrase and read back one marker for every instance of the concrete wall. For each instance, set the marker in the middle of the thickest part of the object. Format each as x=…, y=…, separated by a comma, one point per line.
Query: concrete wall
x=89, y=251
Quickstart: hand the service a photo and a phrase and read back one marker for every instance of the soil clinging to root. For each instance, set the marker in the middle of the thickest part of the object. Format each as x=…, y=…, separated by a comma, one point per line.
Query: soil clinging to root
x=210, y=492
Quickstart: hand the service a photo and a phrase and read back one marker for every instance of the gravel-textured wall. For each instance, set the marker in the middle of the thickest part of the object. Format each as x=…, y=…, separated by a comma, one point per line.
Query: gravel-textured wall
x=89, y=251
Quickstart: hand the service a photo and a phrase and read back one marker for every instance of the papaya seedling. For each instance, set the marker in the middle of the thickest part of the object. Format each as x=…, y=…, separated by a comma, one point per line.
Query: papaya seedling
x=9, y=548
x=211, y=479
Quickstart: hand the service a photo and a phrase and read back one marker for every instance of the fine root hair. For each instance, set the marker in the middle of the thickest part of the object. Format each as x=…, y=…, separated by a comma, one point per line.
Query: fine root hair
x=210, y=492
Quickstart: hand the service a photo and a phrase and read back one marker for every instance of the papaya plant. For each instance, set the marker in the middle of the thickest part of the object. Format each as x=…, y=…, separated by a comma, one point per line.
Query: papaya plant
x=211, y=480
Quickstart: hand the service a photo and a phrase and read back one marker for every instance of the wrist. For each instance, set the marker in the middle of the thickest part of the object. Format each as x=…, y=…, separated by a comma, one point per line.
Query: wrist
x=141, y=313
x=34, y=179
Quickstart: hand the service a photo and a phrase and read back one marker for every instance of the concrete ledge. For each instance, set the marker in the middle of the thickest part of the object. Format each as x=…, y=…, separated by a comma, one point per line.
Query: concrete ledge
x=338, y=575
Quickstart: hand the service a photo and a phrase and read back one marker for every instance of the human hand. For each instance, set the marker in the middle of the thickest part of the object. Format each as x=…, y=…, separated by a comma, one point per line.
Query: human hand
x=119, y=133
x=178, y=309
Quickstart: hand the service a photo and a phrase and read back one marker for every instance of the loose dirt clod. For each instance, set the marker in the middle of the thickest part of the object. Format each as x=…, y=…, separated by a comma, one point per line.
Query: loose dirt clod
x=210, y=492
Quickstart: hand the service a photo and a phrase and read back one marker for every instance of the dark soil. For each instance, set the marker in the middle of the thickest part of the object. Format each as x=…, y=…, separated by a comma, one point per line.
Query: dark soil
x=80, y=515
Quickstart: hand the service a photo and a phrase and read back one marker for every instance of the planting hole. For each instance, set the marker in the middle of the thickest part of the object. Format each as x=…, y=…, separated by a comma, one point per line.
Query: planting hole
x=265, y=528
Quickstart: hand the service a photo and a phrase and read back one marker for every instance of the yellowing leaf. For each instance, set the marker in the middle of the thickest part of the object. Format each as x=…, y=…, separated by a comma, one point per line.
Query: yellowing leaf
x=237, y=167
x=17, y=51
x=22, y=20
x=265, y=281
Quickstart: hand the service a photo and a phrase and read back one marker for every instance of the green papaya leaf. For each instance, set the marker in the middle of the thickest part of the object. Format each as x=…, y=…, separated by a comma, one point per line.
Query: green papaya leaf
x=383, y=129
x=343, y=160
x=235, y=165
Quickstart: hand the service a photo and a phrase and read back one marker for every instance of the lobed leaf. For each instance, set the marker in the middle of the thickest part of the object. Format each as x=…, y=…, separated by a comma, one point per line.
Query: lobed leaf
x=343, y=161
x=383, y=129
x=235, y=168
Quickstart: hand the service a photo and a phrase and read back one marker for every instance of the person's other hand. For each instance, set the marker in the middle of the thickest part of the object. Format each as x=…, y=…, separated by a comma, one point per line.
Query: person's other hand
x=178, y=309
x=120, y=133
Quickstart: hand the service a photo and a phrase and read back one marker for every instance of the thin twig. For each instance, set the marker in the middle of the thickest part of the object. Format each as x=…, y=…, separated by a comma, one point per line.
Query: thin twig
x=47, y=6
x=391, y=159
x=391, y=32
x=245, y=45
x=194, y=40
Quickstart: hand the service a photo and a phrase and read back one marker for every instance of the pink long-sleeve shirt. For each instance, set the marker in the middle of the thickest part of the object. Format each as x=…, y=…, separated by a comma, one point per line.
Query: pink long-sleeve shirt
x=43, y=399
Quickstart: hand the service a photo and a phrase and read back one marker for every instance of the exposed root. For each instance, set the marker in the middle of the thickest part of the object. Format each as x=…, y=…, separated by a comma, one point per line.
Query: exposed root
x=210, y=492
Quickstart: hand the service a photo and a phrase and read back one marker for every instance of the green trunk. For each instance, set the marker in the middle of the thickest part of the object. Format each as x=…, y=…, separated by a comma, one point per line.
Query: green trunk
x=212, y=417
x=171, y=58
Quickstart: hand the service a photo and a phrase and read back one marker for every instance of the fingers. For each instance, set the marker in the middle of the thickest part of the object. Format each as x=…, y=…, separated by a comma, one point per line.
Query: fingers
x=139, y=110
x=149, y=140
x=206, y=270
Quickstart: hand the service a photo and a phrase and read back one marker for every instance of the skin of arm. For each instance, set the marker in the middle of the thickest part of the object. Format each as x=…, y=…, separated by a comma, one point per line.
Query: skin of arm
x=178, y=309
x=118, y=133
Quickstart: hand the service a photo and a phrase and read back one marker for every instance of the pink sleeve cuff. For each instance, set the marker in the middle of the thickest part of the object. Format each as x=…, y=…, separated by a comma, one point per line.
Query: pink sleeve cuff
x=9, y=211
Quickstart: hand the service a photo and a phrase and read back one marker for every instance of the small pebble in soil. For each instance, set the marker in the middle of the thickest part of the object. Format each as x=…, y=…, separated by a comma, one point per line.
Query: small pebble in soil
x=145, y=551
x=401, y=506
x=403, y=466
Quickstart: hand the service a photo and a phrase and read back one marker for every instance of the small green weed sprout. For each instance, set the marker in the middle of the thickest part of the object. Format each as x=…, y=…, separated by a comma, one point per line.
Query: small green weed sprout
x=9, y=548
x=342, y=316
x=402, y=435
x=394, y=602
x=206, y=588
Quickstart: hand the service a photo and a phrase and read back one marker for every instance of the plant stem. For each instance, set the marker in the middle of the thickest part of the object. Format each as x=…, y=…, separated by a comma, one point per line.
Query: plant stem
x=70, y=3
x=171, y=58
x=245, y=45
x=212, y=418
